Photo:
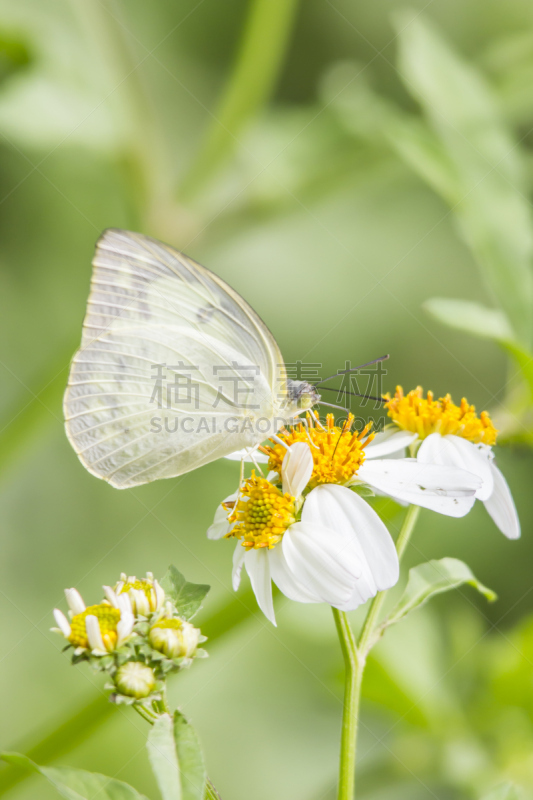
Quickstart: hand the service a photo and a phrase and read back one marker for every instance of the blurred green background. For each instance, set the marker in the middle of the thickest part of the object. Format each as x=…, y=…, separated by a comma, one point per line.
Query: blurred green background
x=338, y=163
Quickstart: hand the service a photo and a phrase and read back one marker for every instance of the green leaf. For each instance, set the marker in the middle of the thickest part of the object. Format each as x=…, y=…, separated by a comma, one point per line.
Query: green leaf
x=258, y=62
x=431, y=578
x=163, y=758
x=77, y=784
x=176, y=759
x=190, y=757
x=186, y=596
x=490, y=203
x=487, y=323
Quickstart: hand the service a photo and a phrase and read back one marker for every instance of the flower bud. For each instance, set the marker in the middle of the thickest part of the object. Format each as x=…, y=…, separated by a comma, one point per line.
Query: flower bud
x=175, y=638
x=135, y=680
x=145, y=594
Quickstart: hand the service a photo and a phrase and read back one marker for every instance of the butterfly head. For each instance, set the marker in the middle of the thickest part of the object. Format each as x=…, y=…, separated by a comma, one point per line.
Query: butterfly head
x=301, y=395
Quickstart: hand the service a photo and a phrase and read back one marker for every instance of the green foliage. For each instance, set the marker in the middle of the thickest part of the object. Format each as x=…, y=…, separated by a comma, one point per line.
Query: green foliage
x=97, y=129
x=187, y=597
x=434, y=577
x=176, y=759
x=487, y=323
x=493, y=214
x=77, y=784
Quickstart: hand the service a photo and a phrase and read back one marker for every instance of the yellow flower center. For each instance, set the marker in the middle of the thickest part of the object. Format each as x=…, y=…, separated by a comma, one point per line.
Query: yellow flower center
x=144, y=586
x=262, y=513
x=108, y=618
x=424, y=415
x=169, y=623
x=337, y=452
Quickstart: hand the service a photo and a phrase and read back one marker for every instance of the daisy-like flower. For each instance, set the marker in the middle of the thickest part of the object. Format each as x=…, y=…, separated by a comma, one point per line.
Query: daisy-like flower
x=145, y=594
x=348, y=458
x=96, y=630
x=451, y=435
x=316, y=538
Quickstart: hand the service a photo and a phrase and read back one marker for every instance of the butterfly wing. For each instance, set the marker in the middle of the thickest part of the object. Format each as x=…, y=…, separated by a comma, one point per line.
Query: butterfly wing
x=174, y=367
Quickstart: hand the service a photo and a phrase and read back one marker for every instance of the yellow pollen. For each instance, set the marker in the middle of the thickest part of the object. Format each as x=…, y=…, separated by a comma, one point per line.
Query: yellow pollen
x=262, y=513
x=337, y=452
x=175, y=624
x=424, y=415
x=108, y=618
x=144, y=586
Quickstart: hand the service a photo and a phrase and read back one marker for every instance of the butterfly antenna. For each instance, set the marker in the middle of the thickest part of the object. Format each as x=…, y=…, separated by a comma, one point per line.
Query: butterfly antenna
x=354, y=394
x=354, y=369
x=330, y=405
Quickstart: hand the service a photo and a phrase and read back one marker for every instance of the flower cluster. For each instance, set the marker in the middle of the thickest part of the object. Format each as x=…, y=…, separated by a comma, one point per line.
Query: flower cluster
x=307, y=526
x=136, y=635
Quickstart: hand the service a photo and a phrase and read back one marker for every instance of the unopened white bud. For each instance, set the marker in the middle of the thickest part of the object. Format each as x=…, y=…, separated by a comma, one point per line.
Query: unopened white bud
x=175, y=638
x=135, y=680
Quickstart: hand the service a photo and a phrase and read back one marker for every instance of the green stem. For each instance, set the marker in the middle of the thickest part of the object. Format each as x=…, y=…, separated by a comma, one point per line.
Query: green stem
x=139, y=160
x=350, y=711
x=257, y=66
x=144, y=713
x=210, y=791
x=355, y=656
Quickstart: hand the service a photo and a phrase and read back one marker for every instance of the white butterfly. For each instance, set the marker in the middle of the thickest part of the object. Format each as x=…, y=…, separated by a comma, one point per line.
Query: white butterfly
x=174, y=369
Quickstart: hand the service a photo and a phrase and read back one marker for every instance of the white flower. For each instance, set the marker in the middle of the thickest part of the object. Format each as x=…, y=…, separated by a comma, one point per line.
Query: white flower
x=339, y=553
x=97, y=629
x=350, y=459
x=478, y=459
x=451, y=436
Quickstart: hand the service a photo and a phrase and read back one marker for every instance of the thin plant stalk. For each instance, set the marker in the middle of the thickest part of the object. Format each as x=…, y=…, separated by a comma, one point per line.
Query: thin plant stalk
x=257, y=66
x=355, y=655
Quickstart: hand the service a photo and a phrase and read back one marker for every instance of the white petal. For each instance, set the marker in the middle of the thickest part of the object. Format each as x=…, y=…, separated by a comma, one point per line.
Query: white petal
x=238, y=563
x=124, y=627
x=454, y=451
x=124, y=603
x=323, y=560
x=62, y=623
x=75, y=601
x=221, y=526
x=248, y=454
x=286, y=581
x=297, y=468
x=388, y=442
x=93, y=634
x=258, y=568
x=375, y=547
x=501, y=507
x=447, y=490
x=111, y=596
x=139, y=601
x=159, y=595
